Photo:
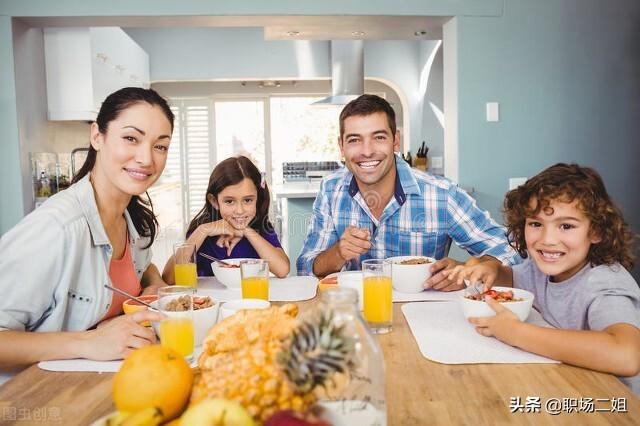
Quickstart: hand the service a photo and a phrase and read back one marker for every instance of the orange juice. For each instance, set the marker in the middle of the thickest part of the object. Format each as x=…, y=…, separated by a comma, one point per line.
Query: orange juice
x=186, y=274
x=255, y=288
x=177, y=334
x=378, y=305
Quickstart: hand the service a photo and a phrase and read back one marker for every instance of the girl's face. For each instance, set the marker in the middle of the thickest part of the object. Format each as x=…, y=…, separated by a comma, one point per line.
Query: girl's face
x=237, y=203
x=133, y=152
x=559, y=242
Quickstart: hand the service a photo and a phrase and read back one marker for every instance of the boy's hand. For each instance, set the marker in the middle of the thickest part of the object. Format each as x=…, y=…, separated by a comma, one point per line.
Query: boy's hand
x=486, y=273
x=501, y=326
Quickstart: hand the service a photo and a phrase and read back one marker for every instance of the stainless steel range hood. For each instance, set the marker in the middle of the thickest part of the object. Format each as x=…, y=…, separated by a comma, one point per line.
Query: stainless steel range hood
x=347, y=72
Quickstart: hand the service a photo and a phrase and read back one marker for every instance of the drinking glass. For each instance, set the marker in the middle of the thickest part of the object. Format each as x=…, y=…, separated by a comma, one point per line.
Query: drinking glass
x=255, y=279
x=377, y=295
x=176, y=329
x=185, y=271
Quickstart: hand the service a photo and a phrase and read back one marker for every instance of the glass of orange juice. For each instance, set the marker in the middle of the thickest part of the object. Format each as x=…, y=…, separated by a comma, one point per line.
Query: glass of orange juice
x=377, y=295
x=255, y=279
x=176, y=329
x=184, y=270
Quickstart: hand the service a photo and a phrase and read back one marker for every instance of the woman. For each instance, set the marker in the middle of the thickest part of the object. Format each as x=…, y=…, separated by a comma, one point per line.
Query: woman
x=55, y=262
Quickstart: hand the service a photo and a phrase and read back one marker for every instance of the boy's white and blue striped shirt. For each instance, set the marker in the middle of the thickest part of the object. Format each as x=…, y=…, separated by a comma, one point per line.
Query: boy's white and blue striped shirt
x=426, y=213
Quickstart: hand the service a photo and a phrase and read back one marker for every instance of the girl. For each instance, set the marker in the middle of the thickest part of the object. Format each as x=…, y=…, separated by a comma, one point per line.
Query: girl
x=234, y=221
x=577, y=247
x=55, y=262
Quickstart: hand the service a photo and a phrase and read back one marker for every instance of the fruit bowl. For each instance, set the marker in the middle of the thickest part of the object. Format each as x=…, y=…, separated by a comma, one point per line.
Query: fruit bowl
x=479, y=308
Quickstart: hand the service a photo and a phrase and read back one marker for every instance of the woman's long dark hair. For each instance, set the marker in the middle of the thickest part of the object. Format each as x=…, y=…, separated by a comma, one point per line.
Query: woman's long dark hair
x=140, y=209
x=232, y=171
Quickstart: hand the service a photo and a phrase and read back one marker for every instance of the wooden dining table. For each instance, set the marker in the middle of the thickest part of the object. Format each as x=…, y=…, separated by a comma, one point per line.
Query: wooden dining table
x=418, y=392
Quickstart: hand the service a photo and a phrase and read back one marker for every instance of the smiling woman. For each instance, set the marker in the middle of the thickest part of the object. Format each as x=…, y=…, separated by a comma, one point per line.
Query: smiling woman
x=96, y=232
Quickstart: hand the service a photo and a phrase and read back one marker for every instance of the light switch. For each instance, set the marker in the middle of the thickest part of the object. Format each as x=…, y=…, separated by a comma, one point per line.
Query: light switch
x=436, y=162
x=516, y=182
x=493, y=111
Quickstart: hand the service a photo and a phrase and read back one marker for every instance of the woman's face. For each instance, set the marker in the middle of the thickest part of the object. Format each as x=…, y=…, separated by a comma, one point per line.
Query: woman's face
x=237, y=203
x=132, y=154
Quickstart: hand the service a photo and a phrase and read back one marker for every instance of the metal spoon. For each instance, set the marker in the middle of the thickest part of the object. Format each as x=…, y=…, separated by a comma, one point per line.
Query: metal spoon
x=473, y=288
x=124, y=293
x=206, y=256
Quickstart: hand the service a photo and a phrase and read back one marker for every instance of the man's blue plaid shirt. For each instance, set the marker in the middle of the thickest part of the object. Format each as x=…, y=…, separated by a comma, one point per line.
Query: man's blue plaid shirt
x=426, y=213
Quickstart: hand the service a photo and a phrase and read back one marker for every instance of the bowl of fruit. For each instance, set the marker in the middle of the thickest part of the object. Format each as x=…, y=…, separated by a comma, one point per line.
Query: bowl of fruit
x=516, y=300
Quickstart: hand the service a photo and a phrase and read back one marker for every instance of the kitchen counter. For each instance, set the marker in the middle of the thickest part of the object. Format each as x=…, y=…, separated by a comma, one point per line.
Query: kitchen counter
x=296, y=190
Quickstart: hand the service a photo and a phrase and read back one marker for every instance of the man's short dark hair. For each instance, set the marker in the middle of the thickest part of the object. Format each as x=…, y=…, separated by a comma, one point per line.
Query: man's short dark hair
x=367, y=105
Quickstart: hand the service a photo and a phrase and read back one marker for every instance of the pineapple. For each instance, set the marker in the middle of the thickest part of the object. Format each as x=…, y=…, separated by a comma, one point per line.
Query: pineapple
x=266, y=361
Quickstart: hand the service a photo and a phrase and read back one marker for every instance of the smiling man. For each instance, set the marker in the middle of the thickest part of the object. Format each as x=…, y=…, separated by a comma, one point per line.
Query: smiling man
x=379, y=207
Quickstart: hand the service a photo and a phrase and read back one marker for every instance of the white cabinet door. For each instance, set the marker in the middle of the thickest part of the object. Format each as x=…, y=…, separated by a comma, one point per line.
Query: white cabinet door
x=84, y=65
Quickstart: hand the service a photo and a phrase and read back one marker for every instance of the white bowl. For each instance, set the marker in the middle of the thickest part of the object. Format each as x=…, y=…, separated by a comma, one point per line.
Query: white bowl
x=479, y=308
x=352, y=279
x=203, y=320
x=228, y=276
x=410, y=278
x=232, y=306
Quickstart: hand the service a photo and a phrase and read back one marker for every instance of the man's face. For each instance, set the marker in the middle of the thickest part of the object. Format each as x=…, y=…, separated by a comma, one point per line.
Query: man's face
x=368, y=146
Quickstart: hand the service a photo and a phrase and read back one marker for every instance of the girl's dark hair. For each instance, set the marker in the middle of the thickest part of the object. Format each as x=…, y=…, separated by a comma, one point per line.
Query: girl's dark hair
x=566, y=183
x=228, y=172
x=140, y=209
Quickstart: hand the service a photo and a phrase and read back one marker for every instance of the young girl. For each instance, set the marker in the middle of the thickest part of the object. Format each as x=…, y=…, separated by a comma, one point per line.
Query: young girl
x=577, y=247
x=234, y=221
x=55, y=262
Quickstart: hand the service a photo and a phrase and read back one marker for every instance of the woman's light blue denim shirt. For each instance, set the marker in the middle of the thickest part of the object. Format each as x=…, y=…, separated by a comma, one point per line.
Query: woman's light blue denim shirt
x=55, y=262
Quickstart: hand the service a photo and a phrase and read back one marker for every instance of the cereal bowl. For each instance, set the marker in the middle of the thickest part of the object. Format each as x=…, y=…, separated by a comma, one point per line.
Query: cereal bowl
x=228, y=275
x=408, y=273
x=203, y=319
x=479, y=308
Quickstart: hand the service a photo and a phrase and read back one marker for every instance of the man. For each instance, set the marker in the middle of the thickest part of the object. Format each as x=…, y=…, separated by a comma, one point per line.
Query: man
x=379, y=207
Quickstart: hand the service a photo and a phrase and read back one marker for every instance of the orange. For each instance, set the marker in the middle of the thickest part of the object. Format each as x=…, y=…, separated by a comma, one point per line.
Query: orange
x=153, y=376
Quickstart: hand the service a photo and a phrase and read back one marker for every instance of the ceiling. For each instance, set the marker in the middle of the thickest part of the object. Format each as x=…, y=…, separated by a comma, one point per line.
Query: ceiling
x=277, y=27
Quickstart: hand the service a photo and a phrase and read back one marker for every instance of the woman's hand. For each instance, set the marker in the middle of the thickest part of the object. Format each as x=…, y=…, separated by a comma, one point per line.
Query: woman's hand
x=502, y=326
x=116, y=338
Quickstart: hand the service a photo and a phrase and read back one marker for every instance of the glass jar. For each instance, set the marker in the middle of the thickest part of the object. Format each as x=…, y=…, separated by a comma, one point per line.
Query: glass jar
x=357, y=396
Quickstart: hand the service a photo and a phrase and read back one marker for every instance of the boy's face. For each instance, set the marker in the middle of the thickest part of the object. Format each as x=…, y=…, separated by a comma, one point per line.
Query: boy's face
x=237, y=203
x=558, y=239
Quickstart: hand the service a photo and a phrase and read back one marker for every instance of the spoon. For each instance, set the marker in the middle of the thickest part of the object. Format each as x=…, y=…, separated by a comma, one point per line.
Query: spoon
x=124, y=293
x=206, y=256
x=473, y=288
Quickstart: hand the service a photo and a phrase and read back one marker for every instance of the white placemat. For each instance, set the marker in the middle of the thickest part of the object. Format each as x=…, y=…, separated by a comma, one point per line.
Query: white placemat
x=96, y=366
x=289, y=289
x=444, y=335
x=427, y=296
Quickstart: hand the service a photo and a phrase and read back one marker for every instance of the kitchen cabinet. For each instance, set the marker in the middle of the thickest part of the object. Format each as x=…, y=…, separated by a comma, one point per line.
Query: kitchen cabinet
x=84, y=65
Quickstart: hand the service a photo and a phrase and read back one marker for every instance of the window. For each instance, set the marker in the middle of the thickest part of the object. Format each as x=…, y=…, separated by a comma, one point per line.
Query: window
x=302, y=132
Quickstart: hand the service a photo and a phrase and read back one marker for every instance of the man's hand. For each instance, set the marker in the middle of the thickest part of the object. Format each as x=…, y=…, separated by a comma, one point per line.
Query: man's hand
x=353, y=243
x=440, y=277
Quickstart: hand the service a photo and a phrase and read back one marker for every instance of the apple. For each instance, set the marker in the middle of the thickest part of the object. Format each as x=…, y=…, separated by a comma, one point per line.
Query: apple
x=218, y=412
